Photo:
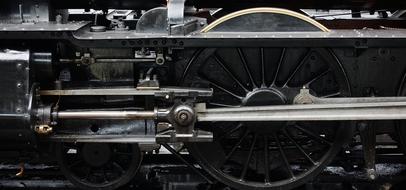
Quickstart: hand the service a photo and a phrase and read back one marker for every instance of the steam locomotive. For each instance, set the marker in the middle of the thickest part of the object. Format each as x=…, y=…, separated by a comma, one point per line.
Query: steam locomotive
x=261, y=93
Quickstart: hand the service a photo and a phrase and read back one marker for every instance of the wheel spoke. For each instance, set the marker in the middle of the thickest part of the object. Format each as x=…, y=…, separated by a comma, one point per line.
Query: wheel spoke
x=263, y=85
x=228, y=133
x=331, y=95
x=223, y=89
x=315, y=136
x=188, y=65
x=223, y=105
x=247, y=70
x=120, y=168
x=247, y=162
x=314, y=79
x=281, y=60
x=236, y=146
x=286, y=133
x=285, y=159
x=266, y=160
x=229, y=73
x=297, y=68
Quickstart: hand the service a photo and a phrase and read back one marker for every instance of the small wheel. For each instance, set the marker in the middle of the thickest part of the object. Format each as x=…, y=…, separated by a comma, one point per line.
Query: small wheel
x=98, y=165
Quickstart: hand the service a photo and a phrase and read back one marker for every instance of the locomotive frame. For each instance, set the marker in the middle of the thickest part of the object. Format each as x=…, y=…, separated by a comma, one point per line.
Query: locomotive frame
x=65, y=96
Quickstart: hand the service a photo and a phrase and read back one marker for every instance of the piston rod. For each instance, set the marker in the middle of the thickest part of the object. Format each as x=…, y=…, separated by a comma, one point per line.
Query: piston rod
x=135, y=115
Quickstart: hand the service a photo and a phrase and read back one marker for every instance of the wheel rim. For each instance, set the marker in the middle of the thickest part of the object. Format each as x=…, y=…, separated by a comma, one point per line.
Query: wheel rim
x=98, y=165
x=296, y=151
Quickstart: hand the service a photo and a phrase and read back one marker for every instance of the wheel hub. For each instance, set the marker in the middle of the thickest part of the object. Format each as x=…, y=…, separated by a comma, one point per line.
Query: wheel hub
x=264, y=97
x=96, y=154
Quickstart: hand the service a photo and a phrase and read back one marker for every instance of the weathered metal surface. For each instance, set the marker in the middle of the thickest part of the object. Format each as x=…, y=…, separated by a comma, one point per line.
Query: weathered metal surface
x=24, y=11
x=43, y=27
x=153, y=21
x=15, y=87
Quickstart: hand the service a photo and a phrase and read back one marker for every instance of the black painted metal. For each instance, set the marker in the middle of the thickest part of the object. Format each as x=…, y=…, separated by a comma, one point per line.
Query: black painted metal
x=15, y=101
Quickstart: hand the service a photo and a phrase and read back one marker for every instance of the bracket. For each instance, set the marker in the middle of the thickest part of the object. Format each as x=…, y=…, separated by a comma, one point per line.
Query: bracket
x=167, y=134
x=176, y=9
x=368, y=139
x=182, y=118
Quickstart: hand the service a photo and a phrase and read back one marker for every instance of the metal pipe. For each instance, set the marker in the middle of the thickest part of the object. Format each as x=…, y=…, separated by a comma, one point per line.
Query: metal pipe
x=136, y=115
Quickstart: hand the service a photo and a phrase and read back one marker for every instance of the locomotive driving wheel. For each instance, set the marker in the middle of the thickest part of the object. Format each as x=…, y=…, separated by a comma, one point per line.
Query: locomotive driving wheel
x=267, y=155
x=99, y=166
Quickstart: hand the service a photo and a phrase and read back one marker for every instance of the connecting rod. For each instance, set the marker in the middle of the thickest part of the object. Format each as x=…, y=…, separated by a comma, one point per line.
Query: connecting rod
x=308, y=112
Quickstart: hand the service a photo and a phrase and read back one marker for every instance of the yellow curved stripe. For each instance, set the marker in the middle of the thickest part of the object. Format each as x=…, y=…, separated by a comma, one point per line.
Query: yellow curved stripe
x=264, y=10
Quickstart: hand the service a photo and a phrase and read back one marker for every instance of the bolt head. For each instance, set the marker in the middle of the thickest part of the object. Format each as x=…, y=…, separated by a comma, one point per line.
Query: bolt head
x=183, y=116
